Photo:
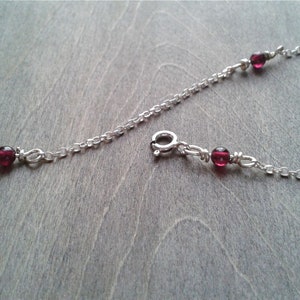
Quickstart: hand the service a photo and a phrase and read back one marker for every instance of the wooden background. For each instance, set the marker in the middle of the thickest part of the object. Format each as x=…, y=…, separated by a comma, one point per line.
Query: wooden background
x=115, y=223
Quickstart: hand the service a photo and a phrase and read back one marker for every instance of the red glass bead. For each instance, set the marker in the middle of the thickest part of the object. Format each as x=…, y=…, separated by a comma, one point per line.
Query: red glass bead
x=220, y=156
x=7, y=156
x=258, y=60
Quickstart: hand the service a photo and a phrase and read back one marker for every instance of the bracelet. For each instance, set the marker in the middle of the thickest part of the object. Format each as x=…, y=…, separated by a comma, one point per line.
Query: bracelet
x=35, y=156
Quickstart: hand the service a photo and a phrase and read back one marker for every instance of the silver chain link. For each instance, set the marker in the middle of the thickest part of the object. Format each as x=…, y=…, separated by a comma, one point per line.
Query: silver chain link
x=282, y=171
x=37, y=155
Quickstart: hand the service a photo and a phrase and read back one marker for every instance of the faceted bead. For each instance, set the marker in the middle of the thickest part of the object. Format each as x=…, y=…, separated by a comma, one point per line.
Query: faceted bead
x=258, y=60
x=220, y=156
x=7, y=156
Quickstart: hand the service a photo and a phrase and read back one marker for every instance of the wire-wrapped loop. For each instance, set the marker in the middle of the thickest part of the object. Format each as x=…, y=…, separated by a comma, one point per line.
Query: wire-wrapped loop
x=198, y=151
x=32, y=156
x=244, y=161
x=247, y=161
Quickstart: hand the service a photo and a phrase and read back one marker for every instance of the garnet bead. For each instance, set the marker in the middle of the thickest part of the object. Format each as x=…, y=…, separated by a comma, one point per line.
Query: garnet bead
x=220, y=156
x=7, y=156
x=258, y=60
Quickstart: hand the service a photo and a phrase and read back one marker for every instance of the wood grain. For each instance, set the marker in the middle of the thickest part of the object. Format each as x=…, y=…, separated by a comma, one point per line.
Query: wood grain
x=114, y=223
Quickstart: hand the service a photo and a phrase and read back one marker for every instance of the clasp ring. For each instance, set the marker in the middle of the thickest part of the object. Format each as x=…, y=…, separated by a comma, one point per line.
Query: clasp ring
x=166, y=136
x=250, y=164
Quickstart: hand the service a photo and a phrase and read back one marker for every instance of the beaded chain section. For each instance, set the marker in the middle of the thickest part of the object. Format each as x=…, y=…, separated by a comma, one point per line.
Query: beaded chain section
x=220, y=156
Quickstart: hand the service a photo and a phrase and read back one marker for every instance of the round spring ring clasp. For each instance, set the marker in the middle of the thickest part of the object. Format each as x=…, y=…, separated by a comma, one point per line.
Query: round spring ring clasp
x=166, y=136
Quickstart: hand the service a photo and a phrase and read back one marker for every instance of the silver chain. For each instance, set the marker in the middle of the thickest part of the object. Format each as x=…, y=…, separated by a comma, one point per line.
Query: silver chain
x=38, y=155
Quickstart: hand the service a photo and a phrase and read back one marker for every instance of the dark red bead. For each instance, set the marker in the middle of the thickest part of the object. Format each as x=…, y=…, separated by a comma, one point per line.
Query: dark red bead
x=220, y=156
x=7, y=156
x=258, y=60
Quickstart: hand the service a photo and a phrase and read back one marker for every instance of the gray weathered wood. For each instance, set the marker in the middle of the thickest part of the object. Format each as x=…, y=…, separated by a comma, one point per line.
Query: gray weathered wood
x=115, y=223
